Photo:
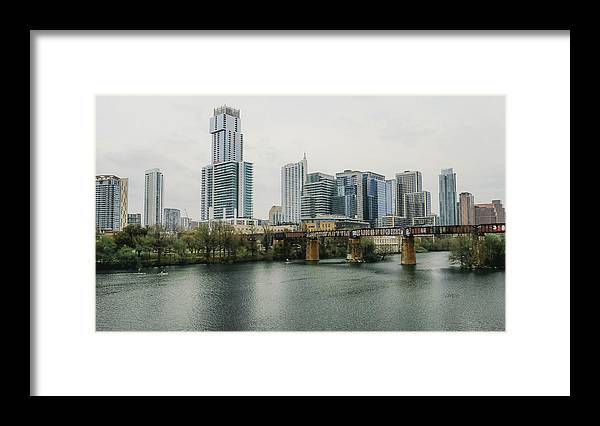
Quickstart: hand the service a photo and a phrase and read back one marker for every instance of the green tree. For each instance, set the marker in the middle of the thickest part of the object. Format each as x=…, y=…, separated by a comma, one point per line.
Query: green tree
x=367, y=247
x=106, y=249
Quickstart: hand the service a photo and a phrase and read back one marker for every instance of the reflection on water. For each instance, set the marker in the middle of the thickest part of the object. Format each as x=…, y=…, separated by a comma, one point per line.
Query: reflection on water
x=331, y=295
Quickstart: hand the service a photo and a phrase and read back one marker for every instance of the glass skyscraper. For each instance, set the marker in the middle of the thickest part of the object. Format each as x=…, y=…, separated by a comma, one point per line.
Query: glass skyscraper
x=448, y=202
x=228, y=182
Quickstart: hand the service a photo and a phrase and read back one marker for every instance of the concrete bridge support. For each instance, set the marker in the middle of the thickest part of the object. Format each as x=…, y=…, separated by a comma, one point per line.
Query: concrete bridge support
x=354, y=250
x=408, y=256
x=312, y=251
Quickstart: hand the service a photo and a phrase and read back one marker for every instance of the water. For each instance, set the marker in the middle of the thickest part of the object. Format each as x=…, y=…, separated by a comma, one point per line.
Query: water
x=333, y=295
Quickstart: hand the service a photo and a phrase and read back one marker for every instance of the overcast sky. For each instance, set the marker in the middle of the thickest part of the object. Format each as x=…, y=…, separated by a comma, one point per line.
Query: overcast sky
x=383, y=134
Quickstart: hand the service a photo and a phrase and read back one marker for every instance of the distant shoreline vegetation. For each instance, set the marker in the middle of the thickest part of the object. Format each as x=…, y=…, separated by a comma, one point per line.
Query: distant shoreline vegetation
x=135, y=247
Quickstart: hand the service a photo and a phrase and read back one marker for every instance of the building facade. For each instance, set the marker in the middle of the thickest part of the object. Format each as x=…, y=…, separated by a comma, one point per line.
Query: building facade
x=406, y=182
x=430, y=220
x=293, y=178
x=331, y=222
x=153, y=197
x=417, y=204
x=391, y=197
x=184, y=223
x=448, y=201
x=228, y=182
x=172, y=219
x=391, y=221
x=489, y=213
x=275, y=215
x=374, y=197
x=466, y=209
x=111, y=202
x=134, y=219
x=348, y=195
x=317, y=195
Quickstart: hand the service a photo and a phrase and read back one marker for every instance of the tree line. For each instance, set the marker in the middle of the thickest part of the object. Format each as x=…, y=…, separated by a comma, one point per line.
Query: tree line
x=136, y=247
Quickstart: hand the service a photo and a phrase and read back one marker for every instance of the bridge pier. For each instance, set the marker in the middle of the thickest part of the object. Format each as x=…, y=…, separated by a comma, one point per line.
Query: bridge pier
x=312, y=250
x=408, y=255
x=354, y=250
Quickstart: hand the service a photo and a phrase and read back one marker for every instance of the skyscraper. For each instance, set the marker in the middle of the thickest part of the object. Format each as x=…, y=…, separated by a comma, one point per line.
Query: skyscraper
x=293, y=178
x=172, y=219
x=447, y=191
x=374, y=197
x=153, y=197
x=391, y=197
x=348, y=195
x=406, y=182
x=417, y=204
x=317, y=195
x=466, y=209
x=111, y=202
x=227, y=183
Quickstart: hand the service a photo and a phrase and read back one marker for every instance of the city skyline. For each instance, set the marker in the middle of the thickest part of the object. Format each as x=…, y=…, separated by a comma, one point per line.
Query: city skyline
x=179, y=144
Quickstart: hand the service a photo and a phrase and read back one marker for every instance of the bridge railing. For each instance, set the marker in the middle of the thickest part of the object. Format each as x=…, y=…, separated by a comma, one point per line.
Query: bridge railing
x=399, y=231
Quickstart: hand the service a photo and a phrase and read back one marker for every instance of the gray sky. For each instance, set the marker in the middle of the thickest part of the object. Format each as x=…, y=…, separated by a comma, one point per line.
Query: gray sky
x=383, y=134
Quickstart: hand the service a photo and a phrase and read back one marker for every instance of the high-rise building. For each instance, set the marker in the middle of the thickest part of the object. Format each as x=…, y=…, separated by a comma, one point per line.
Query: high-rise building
x=317, y=195
x=153, y=197
x=111, y=202
x=406, y=182
x=227, y=137
x=489, y=213
x=391, y=197
x=348, y=195
x=466, y=209
x=447, y=191
x=374, y=197
x=172, y=219
x=134, y=219
x=227, y=183
x=417, y=204
x=293, y=178
x=275, y=215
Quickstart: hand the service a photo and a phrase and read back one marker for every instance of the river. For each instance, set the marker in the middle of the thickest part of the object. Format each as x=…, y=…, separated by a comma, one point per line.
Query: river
x=332, y=295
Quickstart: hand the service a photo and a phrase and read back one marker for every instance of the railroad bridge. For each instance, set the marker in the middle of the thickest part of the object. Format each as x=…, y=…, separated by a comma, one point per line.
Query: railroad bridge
x=407, y=234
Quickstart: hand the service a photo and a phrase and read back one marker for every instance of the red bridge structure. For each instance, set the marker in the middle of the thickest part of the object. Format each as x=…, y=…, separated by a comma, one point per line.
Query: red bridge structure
x=407, y=234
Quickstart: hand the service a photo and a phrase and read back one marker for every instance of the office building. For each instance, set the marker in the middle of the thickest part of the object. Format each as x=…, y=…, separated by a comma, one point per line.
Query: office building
x=293, y=178
x=275, y=215
x=184, y=223
x=466, y=209
x=417, y=204
x=317, y=195
x=406, y=182
x=172, y=219
x=111, y=202
x=228, y=182
x=391, y=197
x=153, y=197
x=489, y=213
x=448, y=201
x=430, y=220
x=348, y=195
x=134, y=219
